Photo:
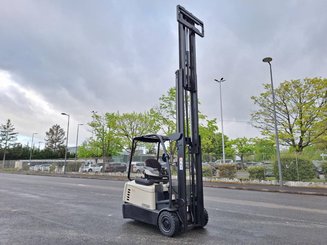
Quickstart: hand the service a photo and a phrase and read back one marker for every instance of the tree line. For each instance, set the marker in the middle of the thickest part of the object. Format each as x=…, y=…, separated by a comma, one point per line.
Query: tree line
x=301, y=107
x=11, y=150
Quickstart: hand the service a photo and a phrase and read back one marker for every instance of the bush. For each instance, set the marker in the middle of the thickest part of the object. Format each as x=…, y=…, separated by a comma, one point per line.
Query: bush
x=256, y=172
x=52, y=168
x=73, y=167
x=207, y=171
x=227, y=171
x=324, y=168
x=295, y=168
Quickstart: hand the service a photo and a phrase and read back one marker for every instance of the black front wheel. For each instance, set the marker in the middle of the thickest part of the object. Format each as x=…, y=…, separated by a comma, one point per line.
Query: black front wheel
x=205, y=217
x=168, y=223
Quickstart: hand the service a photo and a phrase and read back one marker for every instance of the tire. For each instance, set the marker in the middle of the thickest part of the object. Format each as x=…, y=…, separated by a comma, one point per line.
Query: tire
x=90, y=170
x=206, y=217
x=168, y=223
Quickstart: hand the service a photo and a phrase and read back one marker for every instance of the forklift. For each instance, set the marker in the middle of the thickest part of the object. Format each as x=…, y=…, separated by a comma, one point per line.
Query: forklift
x=169, y=194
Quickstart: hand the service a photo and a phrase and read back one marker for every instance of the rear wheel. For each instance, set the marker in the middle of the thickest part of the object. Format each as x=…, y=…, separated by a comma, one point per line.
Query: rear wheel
x=168, y=223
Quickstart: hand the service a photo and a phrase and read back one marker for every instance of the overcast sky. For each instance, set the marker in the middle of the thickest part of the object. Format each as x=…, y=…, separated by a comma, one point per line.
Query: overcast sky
x=108, y=56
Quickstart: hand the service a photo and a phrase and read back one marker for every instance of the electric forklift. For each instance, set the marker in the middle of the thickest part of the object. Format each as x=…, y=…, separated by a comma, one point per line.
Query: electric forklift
x=169, y=194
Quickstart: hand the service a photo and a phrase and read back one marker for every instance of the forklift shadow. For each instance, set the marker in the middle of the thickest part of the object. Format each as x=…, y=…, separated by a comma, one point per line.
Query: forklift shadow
x=139, y=227
x=144, y=229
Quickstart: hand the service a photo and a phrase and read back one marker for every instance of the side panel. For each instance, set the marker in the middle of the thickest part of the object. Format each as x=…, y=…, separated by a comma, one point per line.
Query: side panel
x=137, y=213
x=140, y=195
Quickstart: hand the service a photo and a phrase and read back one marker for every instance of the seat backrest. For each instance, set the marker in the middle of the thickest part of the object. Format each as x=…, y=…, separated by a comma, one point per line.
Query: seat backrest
x=153, y=163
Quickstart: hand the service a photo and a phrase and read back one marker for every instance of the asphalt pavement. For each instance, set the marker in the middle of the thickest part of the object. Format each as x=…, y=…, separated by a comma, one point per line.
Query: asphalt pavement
x=318, y=191
x=55, y=210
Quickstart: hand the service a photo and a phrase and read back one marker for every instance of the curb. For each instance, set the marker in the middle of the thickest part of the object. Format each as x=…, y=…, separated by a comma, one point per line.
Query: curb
x=287, y=190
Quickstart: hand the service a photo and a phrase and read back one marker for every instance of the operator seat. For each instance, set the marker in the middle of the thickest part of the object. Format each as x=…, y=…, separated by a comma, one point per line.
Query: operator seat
x=153, y=163
x=152, y=173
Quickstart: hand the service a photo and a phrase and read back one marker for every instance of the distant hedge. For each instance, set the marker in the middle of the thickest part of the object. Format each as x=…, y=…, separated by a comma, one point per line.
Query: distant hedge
x=295, y=168
x=256, y=172
x=207, y=171
x=227, y=171
x=73, y=167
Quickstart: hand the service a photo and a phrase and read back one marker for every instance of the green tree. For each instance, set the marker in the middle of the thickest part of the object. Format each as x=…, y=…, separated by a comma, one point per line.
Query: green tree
x=8, y=136
x=301, y=108
x=243, y=147
x=87, y=150
x=211, y=141
x=55, y=138
x=165, y=113
x=18, y=152
x=105, y=141
x=130, y=125
x=264, y=149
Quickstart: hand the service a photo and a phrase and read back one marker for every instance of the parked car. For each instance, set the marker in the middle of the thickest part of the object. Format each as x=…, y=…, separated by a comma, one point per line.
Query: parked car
x=227, y=161
x=90, y=167
x=45, y=167
x=138, y=167
x=240, y=165
x=318, y=167
x=115, y=167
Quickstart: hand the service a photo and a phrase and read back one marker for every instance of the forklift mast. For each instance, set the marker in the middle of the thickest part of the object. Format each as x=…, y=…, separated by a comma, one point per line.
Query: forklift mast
x=190, y=185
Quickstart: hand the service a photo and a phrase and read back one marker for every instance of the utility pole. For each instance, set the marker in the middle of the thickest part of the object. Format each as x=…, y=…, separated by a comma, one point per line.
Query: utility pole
x=32, y=146
x=80, y=124
x=66, y=149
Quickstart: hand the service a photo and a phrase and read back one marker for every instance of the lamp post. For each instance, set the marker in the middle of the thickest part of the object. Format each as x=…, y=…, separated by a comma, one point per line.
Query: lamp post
x=40, y=144
x=6, y=132
x=66, y=149
x=93, y=117
x=31, y=149
x=268, y=60
x=80, y=124
x=221, y=116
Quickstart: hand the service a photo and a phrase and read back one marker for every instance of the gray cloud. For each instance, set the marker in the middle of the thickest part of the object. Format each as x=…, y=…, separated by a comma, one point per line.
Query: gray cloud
x=122, y=55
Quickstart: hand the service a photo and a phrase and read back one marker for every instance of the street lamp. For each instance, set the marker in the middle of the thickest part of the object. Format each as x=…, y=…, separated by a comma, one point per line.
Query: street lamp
x=6, y=143
x=40, y=144
x=93, y=116
x=268, y=60
x=80, y=124
x=221, y=116
x=66, y=149
x=31, y=149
